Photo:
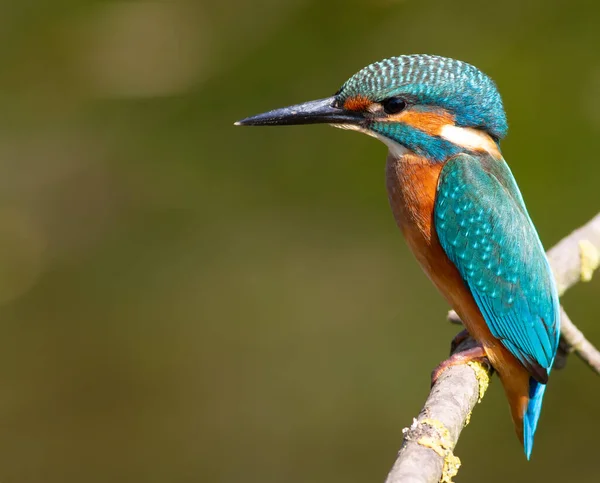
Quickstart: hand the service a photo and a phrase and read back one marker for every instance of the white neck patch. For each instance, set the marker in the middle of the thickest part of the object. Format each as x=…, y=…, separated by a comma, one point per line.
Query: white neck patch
x=396, y=149
x=469, y=138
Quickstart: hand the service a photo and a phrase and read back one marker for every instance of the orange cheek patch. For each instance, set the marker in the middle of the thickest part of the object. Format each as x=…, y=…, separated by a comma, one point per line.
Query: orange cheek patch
x=428, y=122
x=357, y=103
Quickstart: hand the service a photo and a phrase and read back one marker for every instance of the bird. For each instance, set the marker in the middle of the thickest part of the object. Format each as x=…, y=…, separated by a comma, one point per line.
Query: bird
x=459, y=208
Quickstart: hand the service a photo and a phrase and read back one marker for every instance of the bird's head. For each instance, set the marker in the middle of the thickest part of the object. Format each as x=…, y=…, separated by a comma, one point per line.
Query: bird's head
x=431, y=106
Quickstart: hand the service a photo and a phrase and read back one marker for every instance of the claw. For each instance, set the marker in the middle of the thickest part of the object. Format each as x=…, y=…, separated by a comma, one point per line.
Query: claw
x=458, y=339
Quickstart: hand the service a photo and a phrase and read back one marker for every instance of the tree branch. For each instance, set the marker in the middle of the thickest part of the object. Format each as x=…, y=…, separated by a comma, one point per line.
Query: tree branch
x=576, y=342
x=426, y=455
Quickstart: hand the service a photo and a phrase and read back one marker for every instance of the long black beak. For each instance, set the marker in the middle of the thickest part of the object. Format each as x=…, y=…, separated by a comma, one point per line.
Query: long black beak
x=322, y=111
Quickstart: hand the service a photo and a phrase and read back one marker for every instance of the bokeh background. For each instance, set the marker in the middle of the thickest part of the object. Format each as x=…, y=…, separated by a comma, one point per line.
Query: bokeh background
x=186, y=301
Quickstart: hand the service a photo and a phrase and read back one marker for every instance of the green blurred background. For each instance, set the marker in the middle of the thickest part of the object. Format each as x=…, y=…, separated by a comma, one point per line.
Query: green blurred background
x=185, y=301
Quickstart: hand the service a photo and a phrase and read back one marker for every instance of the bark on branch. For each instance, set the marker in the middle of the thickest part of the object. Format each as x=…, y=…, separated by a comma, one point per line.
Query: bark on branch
x=426, y=455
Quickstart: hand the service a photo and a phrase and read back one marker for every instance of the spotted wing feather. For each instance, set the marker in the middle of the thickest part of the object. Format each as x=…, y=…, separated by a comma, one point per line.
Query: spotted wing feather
x=483, y=226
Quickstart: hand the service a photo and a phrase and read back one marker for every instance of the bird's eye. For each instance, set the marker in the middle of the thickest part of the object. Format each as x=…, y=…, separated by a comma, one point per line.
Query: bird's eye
x=393, y=105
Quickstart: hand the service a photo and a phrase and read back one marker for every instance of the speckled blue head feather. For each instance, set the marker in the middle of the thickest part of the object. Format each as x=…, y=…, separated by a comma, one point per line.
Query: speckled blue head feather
x=438, y=81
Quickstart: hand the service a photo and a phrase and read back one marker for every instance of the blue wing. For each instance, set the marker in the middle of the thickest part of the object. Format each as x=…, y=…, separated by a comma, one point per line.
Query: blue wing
x=483, y=226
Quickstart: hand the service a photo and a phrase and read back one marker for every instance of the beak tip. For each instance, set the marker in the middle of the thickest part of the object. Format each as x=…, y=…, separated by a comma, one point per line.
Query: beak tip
x=248, y=121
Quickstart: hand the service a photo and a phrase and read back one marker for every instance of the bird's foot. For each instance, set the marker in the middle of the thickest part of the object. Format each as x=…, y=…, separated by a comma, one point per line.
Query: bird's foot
x=458, y=339
x=476, y=353
x=564, y=349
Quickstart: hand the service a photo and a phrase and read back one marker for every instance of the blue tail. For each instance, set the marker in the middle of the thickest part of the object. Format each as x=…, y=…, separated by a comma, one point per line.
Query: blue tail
x=532, y=415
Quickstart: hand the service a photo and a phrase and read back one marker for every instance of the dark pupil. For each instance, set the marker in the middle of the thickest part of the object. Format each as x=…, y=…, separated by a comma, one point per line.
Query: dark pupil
x=393, y=105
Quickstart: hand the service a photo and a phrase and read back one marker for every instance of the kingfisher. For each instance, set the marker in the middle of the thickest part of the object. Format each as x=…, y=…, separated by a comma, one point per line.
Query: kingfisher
x=459, y=208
